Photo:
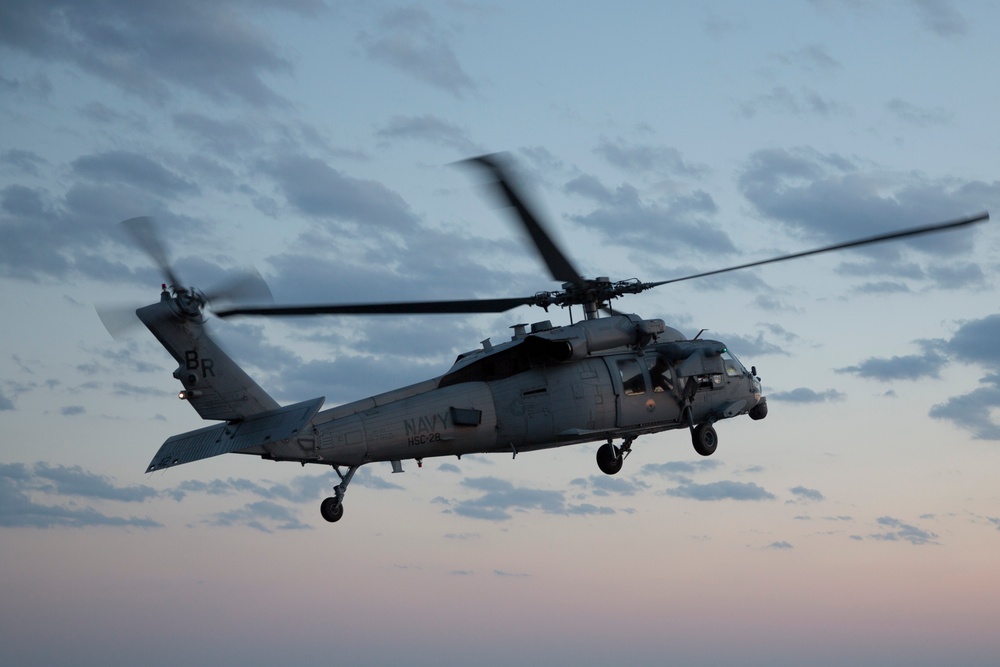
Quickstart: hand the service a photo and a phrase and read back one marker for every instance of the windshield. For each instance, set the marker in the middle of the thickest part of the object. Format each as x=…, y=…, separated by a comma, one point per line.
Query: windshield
x=732, y=364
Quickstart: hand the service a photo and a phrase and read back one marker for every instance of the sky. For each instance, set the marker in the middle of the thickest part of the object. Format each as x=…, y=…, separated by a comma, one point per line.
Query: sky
x=321, y=143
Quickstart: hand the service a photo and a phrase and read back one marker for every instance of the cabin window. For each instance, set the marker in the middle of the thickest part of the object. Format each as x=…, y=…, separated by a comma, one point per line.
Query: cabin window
x=633, y=382
x=660, y=375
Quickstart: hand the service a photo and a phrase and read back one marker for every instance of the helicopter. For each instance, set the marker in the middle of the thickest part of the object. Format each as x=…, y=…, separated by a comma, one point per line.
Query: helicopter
x=610, y=376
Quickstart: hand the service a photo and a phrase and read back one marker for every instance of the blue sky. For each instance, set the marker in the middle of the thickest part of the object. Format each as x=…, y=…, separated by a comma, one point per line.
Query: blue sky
x=318, y=142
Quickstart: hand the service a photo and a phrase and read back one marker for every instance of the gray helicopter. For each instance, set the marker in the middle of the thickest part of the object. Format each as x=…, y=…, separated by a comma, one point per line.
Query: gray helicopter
x=608, y=377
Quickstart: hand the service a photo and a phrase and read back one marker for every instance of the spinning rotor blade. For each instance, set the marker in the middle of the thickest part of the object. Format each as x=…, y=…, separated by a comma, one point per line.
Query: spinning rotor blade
x=559, y=265
x=141, y=229
x=913, y=231
x=246, y=287
x=402, y=308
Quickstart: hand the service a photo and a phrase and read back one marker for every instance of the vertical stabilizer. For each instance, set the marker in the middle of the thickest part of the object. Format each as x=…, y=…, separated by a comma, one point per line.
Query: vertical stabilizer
x=214, y=385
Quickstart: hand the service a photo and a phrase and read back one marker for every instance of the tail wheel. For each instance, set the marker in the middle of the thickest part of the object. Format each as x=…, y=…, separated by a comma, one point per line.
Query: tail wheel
x=705, y=439
x=331, y=510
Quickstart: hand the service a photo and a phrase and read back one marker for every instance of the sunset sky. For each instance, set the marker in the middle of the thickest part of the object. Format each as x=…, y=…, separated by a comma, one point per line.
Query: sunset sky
x=320, y=143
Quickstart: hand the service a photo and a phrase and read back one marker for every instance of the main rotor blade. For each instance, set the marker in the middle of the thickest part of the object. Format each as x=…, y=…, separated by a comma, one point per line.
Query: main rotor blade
x=914, y=231
x=559, y=265
x=141, y=229
x=401, y=308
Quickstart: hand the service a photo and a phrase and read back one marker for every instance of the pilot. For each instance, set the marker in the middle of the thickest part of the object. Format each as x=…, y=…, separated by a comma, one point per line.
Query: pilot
x=659, y=375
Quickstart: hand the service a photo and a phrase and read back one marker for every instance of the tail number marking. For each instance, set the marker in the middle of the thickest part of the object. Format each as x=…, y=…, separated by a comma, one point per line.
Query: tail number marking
x=193, y=363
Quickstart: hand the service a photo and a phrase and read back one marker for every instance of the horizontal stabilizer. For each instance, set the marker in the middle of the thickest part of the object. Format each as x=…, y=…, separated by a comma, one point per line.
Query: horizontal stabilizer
x=262, y=428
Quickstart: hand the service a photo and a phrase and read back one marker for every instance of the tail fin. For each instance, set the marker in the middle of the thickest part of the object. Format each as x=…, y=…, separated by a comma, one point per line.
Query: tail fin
x=213, y=383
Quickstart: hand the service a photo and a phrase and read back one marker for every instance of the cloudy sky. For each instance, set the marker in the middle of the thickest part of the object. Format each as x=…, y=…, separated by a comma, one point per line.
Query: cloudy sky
x=319, y=142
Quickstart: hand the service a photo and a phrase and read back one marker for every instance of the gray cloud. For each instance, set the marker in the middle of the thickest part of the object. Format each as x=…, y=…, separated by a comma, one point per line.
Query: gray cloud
x=912, y=113
x=132, y=169
x=432, y=129
x=499, y=499
x=647, y=159
x=410, y=41
x=830, y=198
x=19, y=482
x=899, y=531
x=974, y=342
x=907, y=367
x=940, y=17
x=264, y=515
x=605, y=485
x=146, y=47
x=807, y=494
x=802, y=101
x=676, y=226
x=806, y=395
x=724, y=490
x=680, y=469
x=315, y=189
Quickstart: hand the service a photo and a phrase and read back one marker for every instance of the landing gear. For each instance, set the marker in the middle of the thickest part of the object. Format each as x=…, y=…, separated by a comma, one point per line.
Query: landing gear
x=705, y=439
x=332, y=508
x=610, y=458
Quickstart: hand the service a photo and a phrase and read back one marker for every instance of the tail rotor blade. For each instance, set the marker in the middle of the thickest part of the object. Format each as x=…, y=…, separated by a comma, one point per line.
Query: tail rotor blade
x=144, y=233
x=246, y=287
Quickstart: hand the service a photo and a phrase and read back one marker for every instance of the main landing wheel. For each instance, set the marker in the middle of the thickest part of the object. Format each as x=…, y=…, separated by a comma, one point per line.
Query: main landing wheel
x=705, y=439
x=331, y=510
x=609, y=459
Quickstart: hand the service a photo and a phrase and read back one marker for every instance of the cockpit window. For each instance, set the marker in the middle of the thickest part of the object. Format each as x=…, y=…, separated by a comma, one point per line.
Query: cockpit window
x=732, y=365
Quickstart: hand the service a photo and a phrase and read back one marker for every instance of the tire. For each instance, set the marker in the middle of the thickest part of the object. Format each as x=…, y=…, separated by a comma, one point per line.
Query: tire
x=331, y=510
x=609, y=459
x=705, y=439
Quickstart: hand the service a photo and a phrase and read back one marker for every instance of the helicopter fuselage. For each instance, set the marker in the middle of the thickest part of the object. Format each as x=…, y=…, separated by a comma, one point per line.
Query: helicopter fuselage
x=520, y=397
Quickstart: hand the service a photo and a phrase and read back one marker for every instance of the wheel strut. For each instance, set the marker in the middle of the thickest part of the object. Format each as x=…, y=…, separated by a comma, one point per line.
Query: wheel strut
x=332, y=508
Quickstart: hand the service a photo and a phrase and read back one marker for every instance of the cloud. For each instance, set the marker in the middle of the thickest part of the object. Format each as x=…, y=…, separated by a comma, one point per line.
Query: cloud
x=905, y=532
x=19, y=482
x=807, y=494
x=146, y=48
x=908, y=367
x=432, y=129
x=318, y=190
x=606, y=485
x=132, y=169
x=724, y=490
x=805, y=395
x=829, y=198
x=911, y=113
x=972, y=411
x=499, y=499
x=409, y=40
x=780, y=546
x=679, y=469
x=676, y=225
x=940, y=17
x=647, y=158
x=265, y=516
x=802, y=101
x=75, y=481
x=974, y=343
